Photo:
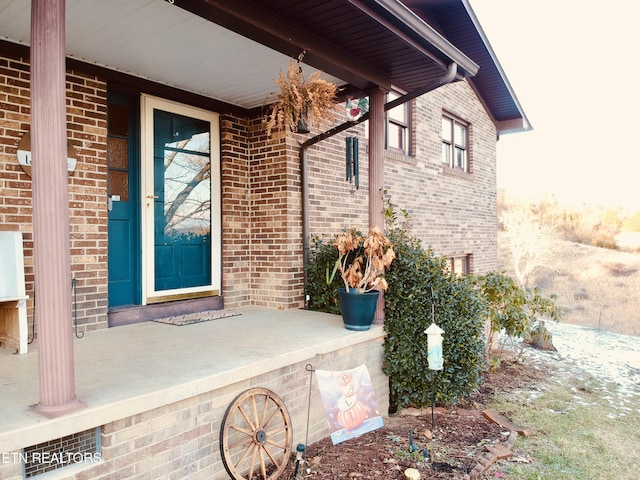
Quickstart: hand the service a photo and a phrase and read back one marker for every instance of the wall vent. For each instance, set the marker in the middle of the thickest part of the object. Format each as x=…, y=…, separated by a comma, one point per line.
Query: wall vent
x=78, y=448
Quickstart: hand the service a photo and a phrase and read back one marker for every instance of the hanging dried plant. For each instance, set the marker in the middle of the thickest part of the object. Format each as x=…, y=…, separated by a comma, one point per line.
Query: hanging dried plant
x=309, y=102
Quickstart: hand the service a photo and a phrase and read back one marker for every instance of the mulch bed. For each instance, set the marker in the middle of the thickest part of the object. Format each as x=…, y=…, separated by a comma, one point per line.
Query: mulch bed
x=450, y=451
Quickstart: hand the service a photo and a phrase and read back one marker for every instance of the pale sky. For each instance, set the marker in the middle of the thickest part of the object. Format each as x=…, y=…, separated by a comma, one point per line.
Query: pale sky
x=571, y=65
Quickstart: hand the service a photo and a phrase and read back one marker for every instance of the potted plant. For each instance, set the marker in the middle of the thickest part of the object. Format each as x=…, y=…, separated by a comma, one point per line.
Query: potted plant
x=301, y=102
x=362, y=263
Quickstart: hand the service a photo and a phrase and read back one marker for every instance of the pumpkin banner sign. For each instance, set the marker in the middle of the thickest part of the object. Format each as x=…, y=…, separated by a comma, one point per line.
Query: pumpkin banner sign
x=349, y=402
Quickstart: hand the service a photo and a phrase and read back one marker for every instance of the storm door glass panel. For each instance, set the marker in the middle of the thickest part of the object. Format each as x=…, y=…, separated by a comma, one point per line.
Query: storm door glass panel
x=182, y=201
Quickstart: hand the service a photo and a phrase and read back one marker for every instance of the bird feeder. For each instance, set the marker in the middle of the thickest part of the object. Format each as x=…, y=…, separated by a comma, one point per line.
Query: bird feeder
x=434, y=346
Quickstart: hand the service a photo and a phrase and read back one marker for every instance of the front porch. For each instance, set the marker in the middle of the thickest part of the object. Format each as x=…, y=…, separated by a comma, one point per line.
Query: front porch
x=158, y=392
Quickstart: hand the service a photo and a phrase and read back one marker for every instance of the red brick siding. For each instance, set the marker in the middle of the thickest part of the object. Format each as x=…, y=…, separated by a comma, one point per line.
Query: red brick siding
x=86, y=126
x=454, y=214
x=276, y=223
x=261, y=217
x=261, y=192
x=334, y=202
x=236, y=208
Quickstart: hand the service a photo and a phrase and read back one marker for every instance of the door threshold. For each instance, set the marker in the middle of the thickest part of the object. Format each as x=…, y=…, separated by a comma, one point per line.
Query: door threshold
x=127, y=315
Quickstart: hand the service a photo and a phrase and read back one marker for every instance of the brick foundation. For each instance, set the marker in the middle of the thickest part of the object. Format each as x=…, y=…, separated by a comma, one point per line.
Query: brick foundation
x=181, y=439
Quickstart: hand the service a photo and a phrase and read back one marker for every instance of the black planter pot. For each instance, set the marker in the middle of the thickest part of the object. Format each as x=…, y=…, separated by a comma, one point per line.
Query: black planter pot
x=358, y=309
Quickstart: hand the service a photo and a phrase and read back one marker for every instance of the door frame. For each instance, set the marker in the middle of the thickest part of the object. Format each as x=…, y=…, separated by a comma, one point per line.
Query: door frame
x=149, y=294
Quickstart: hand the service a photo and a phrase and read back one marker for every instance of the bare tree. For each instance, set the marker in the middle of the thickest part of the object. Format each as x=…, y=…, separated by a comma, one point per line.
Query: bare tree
x=187, y=182
x=528, y=241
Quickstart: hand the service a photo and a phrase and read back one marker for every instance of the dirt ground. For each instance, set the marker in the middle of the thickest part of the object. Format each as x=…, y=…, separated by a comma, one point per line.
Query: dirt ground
x=449, y=451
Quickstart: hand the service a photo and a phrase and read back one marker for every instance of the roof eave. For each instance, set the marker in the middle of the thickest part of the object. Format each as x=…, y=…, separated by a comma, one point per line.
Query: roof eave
x=514, y=125
x=276, y=33
x=420, y=32
x=504, y=126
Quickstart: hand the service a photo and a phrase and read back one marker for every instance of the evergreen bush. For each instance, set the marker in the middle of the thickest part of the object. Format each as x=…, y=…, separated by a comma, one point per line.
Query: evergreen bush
x=517, y=311
x=417, y=281
x=414, y=276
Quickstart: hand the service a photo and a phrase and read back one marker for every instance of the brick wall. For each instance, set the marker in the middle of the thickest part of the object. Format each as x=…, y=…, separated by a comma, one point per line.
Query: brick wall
x=334, y=202
x=261, y=192
x=182, y=440
x=451, y=212
x=86, y=127
x=276, y=223
x=236, y=208
x=262, y=239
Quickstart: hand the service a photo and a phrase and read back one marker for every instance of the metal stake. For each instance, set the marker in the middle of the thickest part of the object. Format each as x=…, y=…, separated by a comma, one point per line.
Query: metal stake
x=433, y=401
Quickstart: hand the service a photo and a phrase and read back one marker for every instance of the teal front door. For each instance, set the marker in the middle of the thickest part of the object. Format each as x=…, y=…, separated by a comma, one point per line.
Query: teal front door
x=181, y=208
x=123, y=190
x=182, y=201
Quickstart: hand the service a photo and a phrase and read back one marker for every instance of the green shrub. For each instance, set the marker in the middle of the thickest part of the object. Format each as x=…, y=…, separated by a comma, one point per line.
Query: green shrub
x=322, y=294
x=417, y=280
x=516, y=310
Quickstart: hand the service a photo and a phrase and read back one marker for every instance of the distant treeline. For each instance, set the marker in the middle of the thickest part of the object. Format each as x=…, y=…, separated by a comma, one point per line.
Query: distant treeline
x=587, y=224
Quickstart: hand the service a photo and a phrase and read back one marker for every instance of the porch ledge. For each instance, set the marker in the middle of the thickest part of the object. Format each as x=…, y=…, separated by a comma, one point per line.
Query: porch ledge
x=127, y=370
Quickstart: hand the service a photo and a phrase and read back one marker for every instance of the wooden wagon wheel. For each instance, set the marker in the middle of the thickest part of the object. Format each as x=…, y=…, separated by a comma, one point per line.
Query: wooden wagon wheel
x=256, y=436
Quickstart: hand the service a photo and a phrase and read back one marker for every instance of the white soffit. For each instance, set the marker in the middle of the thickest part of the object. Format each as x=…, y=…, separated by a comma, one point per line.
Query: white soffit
x=156, y=40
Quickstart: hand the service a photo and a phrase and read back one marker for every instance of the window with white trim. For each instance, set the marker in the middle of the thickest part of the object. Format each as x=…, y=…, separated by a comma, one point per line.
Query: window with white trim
x=455, y=141
x=398, y=131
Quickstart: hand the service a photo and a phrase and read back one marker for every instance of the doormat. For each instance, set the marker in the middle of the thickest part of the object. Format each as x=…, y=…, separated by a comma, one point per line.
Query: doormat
x=198, y=317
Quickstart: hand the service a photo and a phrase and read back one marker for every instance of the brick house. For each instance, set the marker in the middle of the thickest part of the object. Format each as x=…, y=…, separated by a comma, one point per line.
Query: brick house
x=258, y=187
x=193, y=76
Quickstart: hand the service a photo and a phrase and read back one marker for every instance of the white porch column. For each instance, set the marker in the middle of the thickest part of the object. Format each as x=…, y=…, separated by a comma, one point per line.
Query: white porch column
x=52, y=257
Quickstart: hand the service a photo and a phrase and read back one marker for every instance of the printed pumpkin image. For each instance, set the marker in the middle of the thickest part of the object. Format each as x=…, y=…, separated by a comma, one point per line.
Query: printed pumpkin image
x=349, y=402
x=352, y=413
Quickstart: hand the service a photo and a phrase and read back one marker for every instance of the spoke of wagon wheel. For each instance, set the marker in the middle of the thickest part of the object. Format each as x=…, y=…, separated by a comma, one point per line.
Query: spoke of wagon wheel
x=246, y=418
x=263, y=468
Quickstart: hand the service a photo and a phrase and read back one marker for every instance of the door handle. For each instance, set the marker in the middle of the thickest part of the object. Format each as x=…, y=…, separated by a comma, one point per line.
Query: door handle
x=111, y=199
x=149, y=197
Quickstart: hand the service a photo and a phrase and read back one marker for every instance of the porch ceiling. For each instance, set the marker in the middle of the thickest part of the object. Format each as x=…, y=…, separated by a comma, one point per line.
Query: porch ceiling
x=155, y=40
x=232, y=51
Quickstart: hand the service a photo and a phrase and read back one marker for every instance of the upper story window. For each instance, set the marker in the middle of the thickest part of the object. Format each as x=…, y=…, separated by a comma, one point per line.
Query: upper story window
x=455, y=141
x=398, y=125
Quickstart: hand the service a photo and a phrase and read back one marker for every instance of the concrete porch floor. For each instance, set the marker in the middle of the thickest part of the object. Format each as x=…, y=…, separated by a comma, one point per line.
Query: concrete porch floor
x=126, y=370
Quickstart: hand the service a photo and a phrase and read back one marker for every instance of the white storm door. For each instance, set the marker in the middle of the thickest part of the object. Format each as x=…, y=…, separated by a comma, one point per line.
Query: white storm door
x=181, y=231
